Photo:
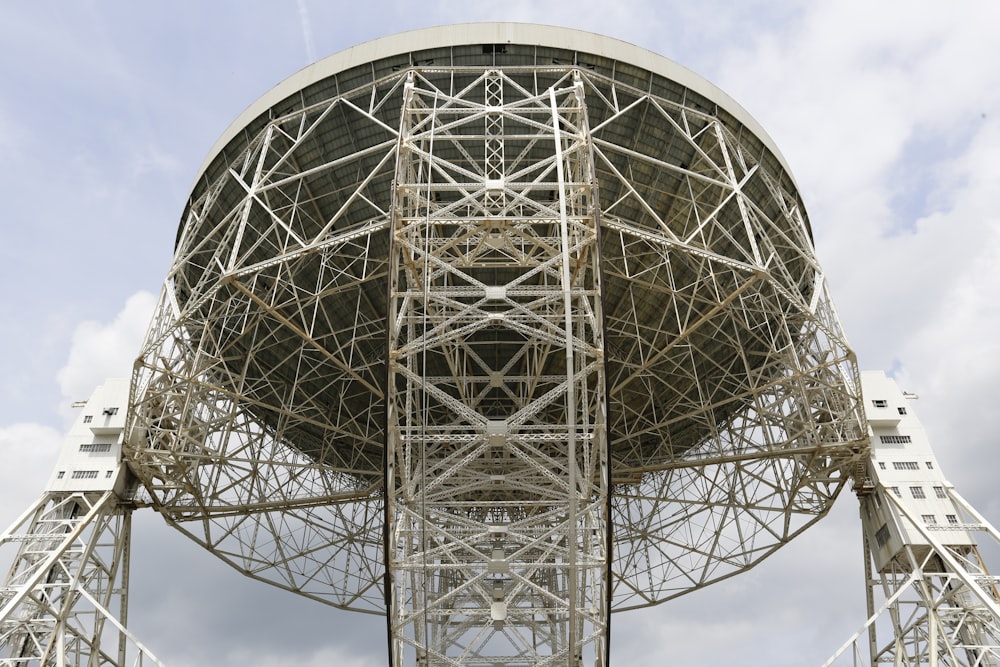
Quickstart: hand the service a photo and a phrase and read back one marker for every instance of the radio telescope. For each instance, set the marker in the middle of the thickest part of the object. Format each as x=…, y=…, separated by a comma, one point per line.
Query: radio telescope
x=494, y=329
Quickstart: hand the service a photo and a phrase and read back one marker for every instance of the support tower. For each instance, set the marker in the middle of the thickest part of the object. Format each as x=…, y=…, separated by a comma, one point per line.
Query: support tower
x=931, y=598
x=65, y=598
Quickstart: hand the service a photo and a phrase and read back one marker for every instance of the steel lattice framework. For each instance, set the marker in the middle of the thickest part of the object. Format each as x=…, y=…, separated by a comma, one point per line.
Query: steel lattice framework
x=938, y=605
x=498, y=504
x=931, y=598
x=64, y=599
x=494, y=328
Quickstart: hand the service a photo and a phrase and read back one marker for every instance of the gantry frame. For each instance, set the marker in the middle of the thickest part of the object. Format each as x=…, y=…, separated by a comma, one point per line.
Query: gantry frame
x=935, y=604
x=64, y=600
x=931, y=599
x=493, y=329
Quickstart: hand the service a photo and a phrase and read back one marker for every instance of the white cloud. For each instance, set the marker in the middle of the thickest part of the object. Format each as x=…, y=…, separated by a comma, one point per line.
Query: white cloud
x=846, y=86
x=952, y=358
x=306, y=30
x=102, y=350
x=886, y=115
x=153, y=160
x=29, y=451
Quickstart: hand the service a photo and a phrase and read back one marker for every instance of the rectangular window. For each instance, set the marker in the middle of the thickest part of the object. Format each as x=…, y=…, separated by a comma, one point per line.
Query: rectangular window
x=108, y=474
x=895, y=439
x=62, y=473
x=882, y=536
x=939, y=492
x=929, y=519
x=930, y=465
x=88, y=418
x=905, y=465
x=881, y=465
x=901, y=411
x=952, y=519
x=84, y=474
x=95, y=447
x=917, y=492
x=110, y=411
x=895, y=489
x=880, y=403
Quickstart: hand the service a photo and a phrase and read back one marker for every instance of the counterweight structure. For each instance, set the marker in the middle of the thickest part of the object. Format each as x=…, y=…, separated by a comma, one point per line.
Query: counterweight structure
x=493, y=329
x=931, y=598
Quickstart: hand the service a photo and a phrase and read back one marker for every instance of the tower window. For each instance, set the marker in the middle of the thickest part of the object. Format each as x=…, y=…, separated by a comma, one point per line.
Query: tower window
x=95, y=447
x=917, y=492
x=880, y=403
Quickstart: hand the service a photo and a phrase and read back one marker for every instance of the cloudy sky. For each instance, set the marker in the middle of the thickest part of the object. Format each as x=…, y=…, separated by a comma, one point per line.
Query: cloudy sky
x=888, y=113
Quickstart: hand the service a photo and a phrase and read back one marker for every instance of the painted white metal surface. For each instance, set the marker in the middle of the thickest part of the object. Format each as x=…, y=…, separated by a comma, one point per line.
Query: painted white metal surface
x=64, y=600
x=91, y=459
x=498, y=541
x=503, y=327
x=931, y=598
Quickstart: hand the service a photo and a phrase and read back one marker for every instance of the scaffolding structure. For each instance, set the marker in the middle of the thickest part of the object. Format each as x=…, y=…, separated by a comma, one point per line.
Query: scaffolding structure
x=499, y=479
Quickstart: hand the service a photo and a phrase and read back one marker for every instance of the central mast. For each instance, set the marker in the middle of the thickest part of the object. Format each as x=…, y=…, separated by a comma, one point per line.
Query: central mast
x=497, y=477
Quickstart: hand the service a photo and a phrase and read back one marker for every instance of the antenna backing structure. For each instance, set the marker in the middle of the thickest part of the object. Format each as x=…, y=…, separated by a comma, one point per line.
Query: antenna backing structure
x=494, y=329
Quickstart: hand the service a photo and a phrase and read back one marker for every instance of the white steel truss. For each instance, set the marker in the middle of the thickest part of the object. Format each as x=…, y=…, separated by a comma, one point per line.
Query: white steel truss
x=498, y=477
x=931, y=598
x=65, y=599
x=932, y=606
x=260, y=400
x=495, y=339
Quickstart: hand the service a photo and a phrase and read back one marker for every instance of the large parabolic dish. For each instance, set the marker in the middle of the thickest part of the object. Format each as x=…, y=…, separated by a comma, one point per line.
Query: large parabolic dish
x=426, y=268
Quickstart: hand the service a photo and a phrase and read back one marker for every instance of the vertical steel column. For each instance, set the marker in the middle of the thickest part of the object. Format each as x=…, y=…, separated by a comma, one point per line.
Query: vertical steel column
x=497, y=477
